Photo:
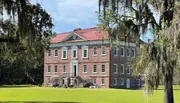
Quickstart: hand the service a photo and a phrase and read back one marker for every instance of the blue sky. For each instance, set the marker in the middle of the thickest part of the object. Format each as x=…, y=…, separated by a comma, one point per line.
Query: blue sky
x=70, y=14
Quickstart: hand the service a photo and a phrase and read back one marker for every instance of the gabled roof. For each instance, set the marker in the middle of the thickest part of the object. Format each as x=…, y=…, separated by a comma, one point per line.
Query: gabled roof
x=87, y=34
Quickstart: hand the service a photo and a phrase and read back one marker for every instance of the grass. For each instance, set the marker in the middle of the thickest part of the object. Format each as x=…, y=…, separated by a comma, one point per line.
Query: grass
x=27, y=94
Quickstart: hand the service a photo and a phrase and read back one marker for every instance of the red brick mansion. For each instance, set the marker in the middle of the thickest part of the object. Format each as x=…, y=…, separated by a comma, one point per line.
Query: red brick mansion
x=87, y=55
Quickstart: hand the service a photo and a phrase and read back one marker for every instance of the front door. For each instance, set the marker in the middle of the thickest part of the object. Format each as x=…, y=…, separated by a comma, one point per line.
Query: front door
x=74, y=70
x=128, y=83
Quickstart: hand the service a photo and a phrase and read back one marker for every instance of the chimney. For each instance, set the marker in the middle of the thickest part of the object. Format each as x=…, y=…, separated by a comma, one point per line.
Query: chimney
x=77, y=29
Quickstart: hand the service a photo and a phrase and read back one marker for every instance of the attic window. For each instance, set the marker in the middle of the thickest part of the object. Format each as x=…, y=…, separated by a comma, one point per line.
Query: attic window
x=74, y=36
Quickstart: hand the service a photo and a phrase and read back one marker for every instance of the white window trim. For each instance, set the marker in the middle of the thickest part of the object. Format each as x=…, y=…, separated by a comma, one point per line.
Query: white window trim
x=104, y=49
x=96, y=51
x=55, y=53
x=115, y=79
x=116, y=49
x=122, y=65
x=127, y=49
x=116, y=69
x=48, y=69
x=134, y=52
x=122, y=83
x=83, y=69
x=85, y=48
x=94, y=81
x=55, y=68
x=139, y=82
x=129, y=69
x=63, y=49
x=48, y=54
x=93, y=69
x=63, y=68
x=101, y=81
x=104, y=68
x=74, y=48
x=123, y=52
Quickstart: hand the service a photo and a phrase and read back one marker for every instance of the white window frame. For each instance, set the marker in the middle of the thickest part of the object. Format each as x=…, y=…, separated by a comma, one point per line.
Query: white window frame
x=93, y=68
x=49, y=53
x=122, y=51
x=102, y=50
x=63, y=68
x=85, y=48
x=104, y=68
x=62, y=51
x=122, y=65
x=56, y=50
x=115, y=81
x=133, y=53
x=49, y=68
x=122, y=81
x=74, y=48
x=48, y=80
x=84, y=68
x=128, y=69
x=116, y=68
x=96, y=51
x=128, y=50
x=94, y=81
x=139, y=82
x=116, y=49
x=102, y=83
x=55, y=67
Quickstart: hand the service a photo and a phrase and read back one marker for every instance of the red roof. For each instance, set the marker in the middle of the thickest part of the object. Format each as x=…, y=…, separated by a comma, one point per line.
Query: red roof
x=86, y=34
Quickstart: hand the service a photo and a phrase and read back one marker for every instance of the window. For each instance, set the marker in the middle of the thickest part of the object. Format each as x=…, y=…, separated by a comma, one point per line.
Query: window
x=64, y=53
x=115, y=51
x=128, y=69
x=115, y=81
x=49, y=69
x=122, y=68
x=94, y=51
x=56, y=53
x=94, y=81
x=49, y=80
x=49, y=53
x=64, y=69
x=133, y=52
x=122, y=51
x=74, y=36
x=115, y=68
x=122, y=81
x=85, y=51
x=102, y=81
x=103, y=50
x=74, y=52
x=139, y=82
x=103, y=68
x=127, y=52
x=95, y=68
x=85, y=69
x=55, y=69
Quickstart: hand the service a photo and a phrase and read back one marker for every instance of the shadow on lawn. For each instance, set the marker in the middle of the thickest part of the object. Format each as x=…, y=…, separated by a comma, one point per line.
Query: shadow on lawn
x=16, y=86
x=35, y=102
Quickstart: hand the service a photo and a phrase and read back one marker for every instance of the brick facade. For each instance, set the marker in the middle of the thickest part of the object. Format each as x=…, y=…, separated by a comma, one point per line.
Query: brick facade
x=83, y=68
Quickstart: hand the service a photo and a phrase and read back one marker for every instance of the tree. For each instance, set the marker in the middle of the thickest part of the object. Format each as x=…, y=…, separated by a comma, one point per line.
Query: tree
x=33, y=21
x=127, y=18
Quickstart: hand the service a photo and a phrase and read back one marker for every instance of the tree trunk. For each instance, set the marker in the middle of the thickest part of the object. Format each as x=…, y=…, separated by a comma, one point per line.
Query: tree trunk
x=168, y=88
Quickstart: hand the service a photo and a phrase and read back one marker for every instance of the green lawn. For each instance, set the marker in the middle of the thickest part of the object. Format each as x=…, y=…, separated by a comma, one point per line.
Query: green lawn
x=79, y=95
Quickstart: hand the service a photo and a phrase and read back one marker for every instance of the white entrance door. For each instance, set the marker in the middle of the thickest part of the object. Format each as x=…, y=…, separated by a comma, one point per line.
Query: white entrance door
x=74, y=68
x=128, y=83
